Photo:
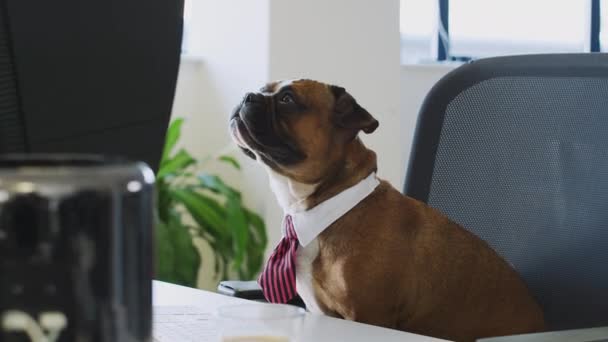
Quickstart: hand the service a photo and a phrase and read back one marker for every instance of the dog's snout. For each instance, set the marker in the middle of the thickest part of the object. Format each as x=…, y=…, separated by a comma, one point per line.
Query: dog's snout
x=251, y=98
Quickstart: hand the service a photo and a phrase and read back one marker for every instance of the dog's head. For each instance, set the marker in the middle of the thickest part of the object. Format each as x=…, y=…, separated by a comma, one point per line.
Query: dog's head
x=299, y=128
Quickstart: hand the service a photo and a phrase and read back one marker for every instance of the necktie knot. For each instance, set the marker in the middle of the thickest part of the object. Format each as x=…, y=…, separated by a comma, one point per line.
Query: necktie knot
x=290, y=231
x=278, y=280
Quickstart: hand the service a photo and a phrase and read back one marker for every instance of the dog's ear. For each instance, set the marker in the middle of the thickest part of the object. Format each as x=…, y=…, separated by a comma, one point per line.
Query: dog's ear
x=349, y=114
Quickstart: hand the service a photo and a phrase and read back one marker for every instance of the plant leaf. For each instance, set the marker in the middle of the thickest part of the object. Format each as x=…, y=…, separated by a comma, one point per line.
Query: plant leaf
x=163, y=201
x=178, y=260
x=204, y=210
x=187, y=260
x=257, y=245
x=258, y=226
x=236, y=234
x=230, y=160
x=237, y=223
x=176, y=164
x=173, y=134
x=165, y=257
x=217, y=185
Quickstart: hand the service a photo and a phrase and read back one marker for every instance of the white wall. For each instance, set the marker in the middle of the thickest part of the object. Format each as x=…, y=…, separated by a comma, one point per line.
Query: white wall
x=233, y=45
x=416, y=81
x=352, y=43
x=234, y=49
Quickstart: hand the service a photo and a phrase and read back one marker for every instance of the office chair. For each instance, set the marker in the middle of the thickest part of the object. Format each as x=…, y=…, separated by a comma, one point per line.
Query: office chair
x=515, y=149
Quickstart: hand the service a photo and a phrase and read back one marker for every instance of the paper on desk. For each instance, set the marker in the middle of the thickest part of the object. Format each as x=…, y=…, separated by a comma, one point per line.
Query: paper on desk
x=183, y=323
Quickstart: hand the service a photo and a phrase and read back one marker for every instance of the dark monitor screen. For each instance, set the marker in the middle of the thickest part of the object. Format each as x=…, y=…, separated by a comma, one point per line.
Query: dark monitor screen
x=88, y=76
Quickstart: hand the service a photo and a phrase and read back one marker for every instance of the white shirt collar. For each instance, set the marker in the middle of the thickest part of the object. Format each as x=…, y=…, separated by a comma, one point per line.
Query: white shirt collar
x=309, y=224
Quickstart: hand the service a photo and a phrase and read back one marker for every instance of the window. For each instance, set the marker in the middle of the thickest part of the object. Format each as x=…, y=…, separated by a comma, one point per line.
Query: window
x=187, y=26
x=482, y=28
x=418, y=28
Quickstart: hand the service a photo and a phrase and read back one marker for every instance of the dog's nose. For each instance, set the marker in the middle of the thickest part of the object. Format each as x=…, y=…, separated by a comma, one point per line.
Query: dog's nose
x=254, y=98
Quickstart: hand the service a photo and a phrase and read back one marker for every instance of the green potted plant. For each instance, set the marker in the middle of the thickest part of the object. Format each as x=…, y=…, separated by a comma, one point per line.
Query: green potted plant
x=194, y=203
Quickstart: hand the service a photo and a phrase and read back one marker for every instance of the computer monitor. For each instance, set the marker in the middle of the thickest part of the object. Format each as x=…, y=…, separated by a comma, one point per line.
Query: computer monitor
x=92, y=76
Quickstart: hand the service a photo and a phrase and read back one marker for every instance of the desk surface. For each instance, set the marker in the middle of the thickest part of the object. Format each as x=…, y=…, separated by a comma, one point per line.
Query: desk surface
x=317, y=328
x=578, y=335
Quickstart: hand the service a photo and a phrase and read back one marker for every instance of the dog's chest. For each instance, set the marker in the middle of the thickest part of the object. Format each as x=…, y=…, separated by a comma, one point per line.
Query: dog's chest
x=304, y=259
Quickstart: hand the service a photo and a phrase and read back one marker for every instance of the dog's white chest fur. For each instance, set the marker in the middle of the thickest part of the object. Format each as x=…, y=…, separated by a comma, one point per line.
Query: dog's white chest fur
x=304, y=259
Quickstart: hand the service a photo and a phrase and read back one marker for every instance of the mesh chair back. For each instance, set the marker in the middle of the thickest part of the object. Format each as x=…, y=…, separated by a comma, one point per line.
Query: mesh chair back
x=515, y=149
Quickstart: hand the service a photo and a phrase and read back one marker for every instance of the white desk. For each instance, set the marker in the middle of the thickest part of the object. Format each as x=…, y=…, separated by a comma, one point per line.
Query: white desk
x=316, y=328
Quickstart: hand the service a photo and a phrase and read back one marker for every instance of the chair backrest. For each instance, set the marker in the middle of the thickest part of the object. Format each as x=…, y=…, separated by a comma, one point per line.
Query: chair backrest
x=515, y=149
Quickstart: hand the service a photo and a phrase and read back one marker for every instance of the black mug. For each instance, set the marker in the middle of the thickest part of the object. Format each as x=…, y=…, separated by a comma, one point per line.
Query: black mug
x=75, y=249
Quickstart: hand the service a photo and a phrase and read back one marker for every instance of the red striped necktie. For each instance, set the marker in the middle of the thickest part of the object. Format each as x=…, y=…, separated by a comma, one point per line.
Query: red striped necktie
x=278, y=280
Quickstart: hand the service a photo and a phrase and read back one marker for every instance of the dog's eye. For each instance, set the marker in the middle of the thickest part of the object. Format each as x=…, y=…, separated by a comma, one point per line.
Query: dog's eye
x=287, y=98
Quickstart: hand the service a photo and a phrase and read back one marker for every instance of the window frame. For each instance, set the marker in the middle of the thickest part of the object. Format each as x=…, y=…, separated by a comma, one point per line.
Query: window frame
x=443, y=34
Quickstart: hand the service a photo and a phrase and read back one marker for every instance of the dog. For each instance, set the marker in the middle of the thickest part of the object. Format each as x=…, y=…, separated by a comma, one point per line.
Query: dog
x=371, y=254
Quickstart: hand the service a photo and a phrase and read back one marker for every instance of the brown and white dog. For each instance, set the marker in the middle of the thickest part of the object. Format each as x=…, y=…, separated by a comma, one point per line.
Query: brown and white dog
x=388, y=260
